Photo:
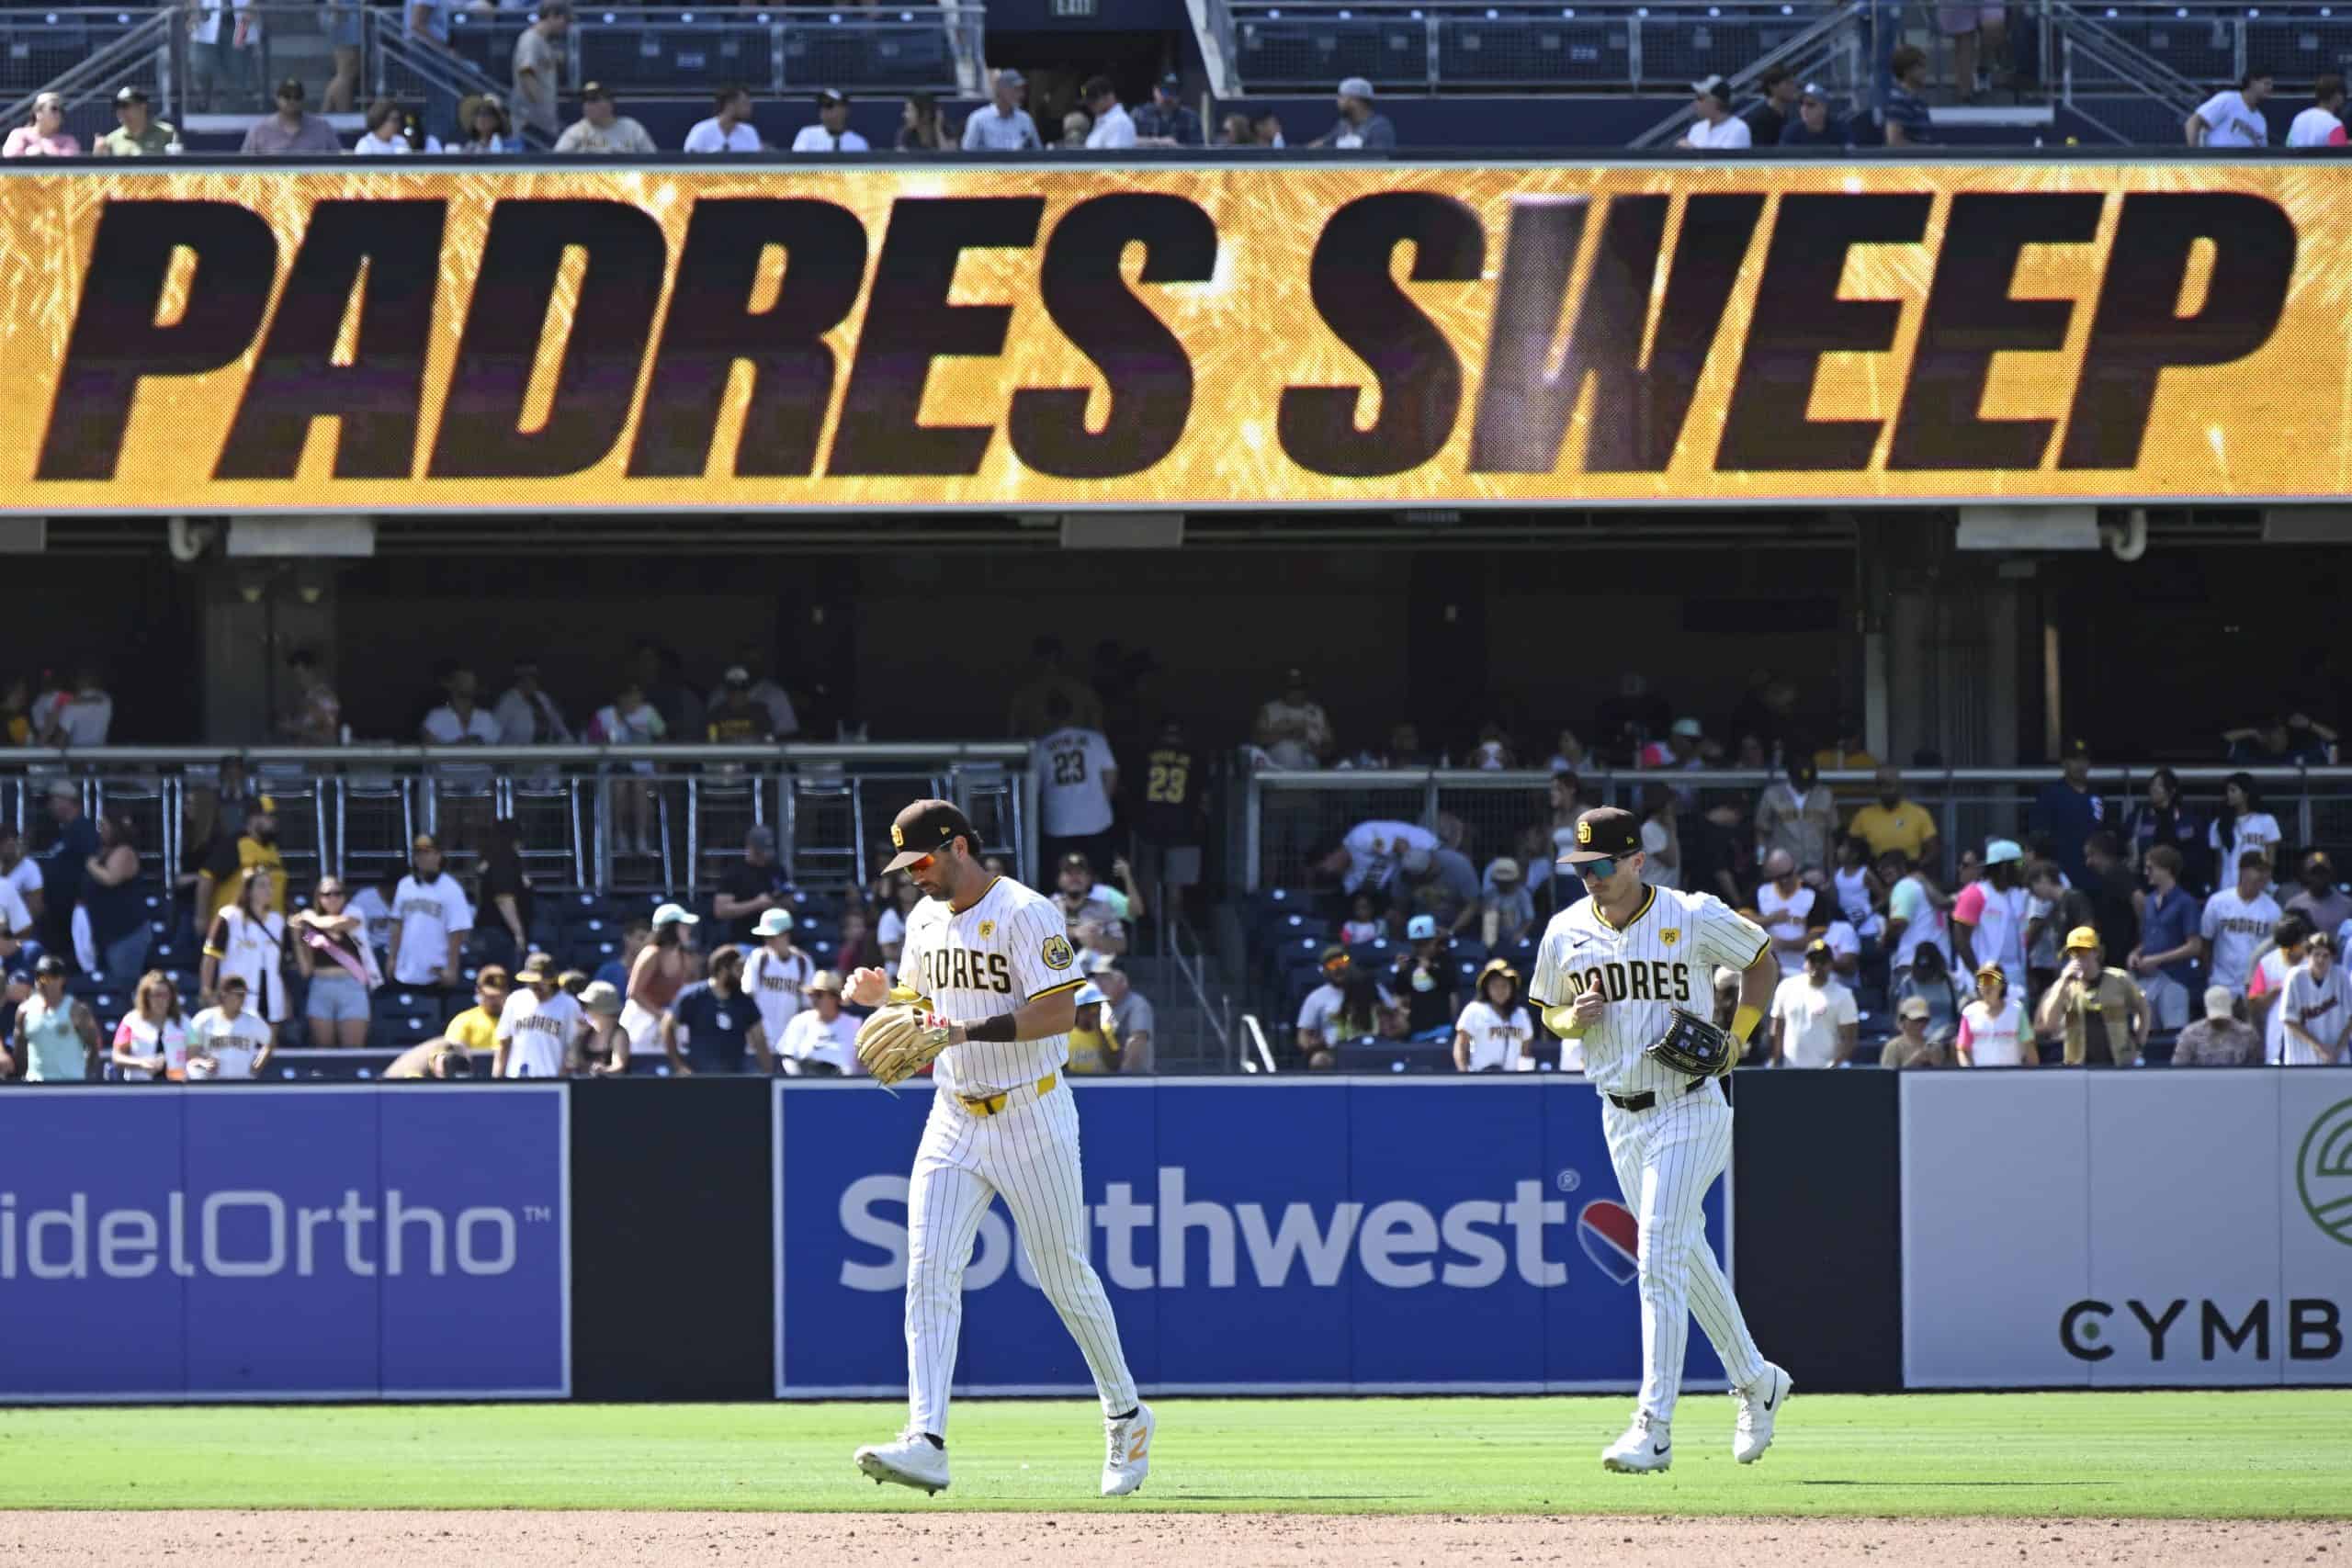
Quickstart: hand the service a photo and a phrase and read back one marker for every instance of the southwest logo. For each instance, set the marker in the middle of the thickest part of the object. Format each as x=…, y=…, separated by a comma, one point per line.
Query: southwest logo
x=1612, y=1238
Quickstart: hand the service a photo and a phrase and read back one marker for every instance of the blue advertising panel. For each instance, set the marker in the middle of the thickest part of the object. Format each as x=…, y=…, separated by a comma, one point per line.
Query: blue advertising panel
x=284, y=1242
x=1261, y=1236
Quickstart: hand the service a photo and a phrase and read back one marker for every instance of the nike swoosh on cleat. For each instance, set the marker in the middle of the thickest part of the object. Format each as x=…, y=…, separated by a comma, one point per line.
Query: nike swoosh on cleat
x=1661, y=1448
x=1777, y=1391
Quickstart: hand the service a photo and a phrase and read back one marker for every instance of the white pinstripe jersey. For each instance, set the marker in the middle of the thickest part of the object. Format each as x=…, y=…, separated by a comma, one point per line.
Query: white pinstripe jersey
x=1665, y=958
x=1010, y=948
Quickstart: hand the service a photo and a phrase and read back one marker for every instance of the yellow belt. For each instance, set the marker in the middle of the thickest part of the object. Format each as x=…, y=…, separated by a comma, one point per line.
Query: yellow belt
x=990, y=1104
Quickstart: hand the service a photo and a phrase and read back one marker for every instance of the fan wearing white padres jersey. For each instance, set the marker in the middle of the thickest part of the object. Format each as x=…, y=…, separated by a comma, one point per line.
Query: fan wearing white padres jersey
x=992, y=962
x=1609, y=973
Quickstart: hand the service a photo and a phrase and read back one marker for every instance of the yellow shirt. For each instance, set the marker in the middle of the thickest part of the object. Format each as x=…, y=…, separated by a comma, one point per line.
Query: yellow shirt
x=1095, y=1050
x=1909, y=827
x=474, y=1029
x=1829, y=757
x=251, y=853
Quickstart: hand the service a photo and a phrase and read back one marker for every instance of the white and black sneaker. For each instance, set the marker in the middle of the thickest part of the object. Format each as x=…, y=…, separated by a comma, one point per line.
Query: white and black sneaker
x=1759, y=1407
x=908, y=1459
x=1647, y=1447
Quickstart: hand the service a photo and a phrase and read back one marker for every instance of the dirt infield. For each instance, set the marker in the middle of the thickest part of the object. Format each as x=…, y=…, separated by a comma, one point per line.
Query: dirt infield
x=1202, y=1541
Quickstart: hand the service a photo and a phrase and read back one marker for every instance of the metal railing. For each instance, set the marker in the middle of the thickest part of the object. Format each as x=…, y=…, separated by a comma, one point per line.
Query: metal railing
x=354, y=810
x=413, y=68
x=1286, y=817
x=85, y=54
x=1829, y=52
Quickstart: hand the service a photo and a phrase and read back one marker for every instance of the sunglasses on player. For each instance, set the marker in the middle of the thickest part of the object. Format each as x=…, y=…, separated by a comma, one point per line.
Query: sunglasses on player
x=1599, y=870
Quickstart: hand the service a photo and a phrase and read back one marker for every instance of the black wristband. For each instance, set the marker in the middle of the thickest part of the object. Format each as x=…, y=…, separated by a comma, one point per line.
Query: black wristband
x=997, y=1031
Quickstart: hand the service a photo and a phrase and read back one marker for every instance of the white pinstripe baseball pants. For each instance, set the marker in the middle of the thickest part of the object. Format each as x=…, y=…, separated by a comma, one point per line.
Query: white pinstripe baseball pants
x=1666, y=1157
x=1028, y=1152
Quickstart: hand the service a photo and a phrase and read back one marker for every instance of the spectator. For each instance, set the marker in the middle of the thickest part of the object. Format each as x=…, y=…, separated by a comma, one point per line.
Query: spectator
x=226, y=861
x=1292, y=728
x=1081, y=898
x=1661, y=840
x=602, y=129
x=2320, y=901
x=615, y=971
x=249, y=940
x=1362, y=923
x=821, y=1039
x=1100, y=946
x=331, y=949
x=1441, y=882
x=1172, y=822
x=1713, y=128
x=1904, y=114
x=1049, y=675
x=2164, y=818
x=1132, y=1020
x=120, y=933
x=1784, y=908
x=69, y=858
x=476, y=1029
x=2056, y=908
x=2267, y=982
x=2322, y=125
x=731, y=130
x=2243, y=826
x=1165, y=121
x=776, y=973
x=1234, y=131
x=223, y=53
x=1358, y=126
x=19, y=933
x=1992, y=1028
x=458, y=720
x=430, y=919
x=1568, y=754
x=1858, y=893
x=2068, y=811
x=630, y=719
x=770, y=698
x=1811, y=126
x=1004, y=126
x=1093, y=1036
x=525, y=715
x=603, y=1049
x=1266, y=127
x=1895, y=821
x=1493, y=1034
x=2235, y=920
x=1115, y=128
x=2291, y=740
x=439, y=1059
x=2233, y=117
x=2112, y=897
x=1814, y=1016
x=1911, y=1044
x=81, y=717
x=1978, y=32
x=1370, y=855
x=751, y=887
x=1929, y=980
x=1797, y=815
x=858, y=949
x=55, y=1039
x=1988, y=919
x=715, y=1023
x=831, y=132
x=386, y=133
x=137, y=133
x=2219, y=1039
x=341, y=24
x=314, y=717
x=2164, y=962
x=539, y=1027
x=662, y=969
x=228, y=1043
x=293, y=129
x=1318, y=1013
x=1506, y=910
x=2097, y=1011
x=505, y=889
x=489, y=128
x=921, y=127
x=44, y=136
x=1422, y=979
x=19, y=869
x=373, y=906
x=2316, y=1008
x=1716, y=853
x=150, y=1043
x=1769, y=119
x=1845, y=947
x=539, y=66
x=734, y=719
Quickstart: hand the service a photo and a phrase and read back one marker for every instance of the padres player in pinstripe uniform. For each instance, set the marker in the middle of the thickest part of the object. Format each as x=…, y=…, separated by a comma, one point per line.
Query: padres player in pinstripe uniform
x=993, y=959
x=1607, y=974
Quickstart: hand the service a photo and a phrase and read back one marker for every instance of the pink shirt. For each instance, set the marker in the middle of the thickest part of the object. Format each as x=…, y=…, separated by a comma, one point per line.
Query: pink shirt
x=24, y=141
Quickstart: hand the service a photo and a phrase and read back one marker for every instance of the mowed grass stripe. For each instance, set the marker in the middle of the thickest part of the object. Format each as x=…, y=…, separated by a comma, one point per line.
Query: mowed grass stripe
x=2228, y=1455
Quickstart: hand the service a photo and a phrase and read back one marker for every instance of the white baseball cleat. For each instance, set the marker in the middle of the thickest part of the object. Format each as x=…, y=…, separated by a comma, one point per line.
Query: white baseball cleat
x=1648, y=1445
x=1129, y=1456
x=1760, y=1406
x=910, y=1460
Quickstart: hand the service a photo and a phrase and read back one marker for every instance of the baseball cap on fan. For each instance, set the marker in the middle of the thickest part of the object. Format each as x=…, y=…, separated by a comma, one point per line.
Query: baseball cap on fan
x=924, y=829
x=1603, y=833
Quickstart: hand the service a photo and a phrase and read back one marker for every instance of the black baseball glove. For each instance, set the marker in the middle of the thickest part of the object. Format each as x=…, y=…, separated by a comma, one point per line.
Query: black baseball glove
x=1692, y=1045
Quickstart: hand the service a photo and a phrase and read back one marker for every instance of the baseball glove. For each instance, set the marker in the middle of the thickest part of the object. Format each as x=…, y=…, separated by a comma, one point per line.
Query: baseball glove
x=1694, y=1046
x=899, y=1041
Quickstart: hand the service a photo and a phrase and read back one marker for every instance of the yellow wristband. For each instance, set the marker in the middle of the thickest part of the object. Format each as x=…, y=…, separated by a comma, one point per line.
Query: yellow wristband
x=1744, y=1021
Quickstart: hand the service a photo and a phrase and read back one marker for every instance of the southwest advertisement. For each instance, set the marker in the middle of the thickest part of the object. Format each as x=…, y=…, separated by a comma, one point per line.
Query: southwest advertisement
x=400, y=339
x=2127, y=1229
x=1283, y=1236
x=284, y=1242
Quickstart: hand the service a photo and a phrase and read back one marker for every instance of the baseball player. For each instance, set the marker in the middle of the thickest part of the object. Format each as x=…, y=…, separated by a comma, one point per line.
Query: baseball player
x=988, y=987
x=1609, y=974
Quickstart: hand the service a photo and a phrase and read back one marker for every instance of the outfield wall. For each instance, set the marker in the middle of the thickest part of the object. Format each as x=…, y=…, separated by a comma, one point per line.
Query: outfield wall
x=736, y=1239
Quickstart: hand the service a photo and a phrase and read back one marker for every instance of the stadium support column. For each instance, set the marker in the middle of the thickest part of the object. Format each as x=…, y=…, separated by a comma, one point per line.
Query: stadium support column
x=251, y=613
x=1941, y=630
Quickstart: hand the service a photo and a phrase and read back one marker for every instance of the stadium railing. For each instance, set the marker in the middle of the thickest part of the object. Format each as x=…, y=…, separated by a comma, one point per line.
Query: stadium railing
x=355, y=810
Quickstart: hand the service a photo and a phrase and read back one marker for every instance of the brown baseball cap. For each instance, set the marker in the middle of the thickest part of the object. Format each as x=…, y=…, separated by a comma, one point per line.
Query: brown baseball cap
x=924, y=829
x=1602, y=833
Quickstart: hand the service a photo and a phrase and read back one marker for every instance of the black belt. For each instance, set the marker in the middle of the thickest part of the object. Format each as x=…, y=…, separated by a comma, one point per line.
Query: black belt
x=1648, y=1098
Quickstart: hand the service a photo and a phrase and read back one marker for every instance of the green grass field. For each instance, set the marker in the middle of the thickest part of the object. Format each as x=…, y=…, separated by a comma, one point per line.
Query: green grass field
x=2236, y=1455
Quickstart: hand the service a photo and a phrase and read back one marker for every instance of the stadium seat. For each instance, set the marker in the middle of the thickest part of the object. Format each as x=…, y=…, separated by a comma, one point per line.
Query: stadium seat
x=1528, y=52
x=908, y=56
x=1683, y=49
